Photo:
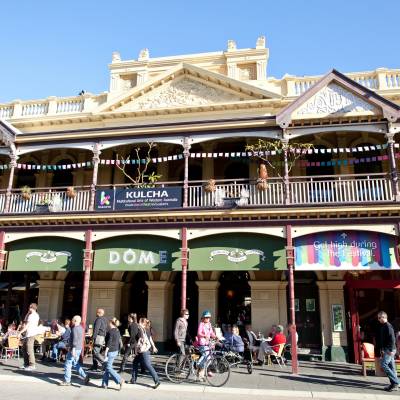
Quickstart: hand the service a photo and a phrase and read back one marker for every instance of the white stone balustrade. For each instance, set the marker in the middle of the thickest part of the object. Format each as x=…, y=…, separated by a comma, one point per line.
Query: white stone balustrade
x=382, y=79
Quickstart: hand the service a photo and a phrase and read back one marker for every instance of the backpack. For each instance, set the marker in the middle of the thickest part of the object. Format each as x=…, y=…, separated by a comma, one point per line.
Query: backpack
x=143, y=344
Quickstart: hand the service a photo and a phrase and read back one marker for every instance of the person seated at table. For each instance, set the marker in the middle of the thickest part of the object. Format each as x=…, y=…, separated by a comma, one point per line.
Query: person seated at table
x=235, y=342
x=228, y=333
x=271, y=346
x=11, y=331
x=251, y=339
x=64, y=333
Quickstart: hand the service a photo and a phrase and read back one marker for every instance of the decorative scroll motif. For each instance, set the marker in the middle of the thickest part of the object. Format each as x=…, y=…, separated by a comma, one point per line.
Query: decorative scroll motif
x=48, y=256
x=333, y=99
x=184, y=92
x=237, y=255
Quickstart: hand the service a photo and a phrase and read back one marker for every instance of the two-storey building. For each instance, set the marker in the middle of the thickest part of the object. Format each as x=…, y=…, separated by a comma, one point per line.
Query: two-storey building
x=201, y=218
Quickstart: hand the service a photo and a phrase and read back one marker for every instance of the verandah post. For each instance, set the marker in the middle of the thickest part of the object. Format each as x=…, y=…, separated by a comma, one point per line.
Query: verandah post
x=96, y=161
x=87, y=265
x=392, y=164
x=290, y=266
x=186, y=154
x=13, y=165
x=184, y=262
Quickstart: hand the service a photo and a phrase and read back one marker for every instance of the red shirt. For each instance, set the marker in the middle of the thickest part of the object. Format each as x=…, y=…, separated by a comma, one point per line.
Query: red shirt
x=278, y=339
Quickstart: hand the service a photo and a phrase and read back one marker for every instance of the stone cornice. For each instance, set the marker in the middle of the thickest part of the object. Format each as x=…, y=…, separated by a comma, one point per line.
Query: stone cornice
x=214, y=217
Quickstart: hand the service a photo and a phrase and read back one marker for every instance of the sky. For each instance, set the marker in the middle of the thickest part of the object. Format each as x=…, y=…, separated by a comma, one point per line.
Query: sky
x=58, y=48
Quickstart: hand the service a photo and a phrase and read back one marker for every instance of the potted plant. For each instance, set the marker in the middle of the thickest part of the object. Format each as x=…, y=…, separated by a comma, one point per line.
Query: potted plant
x=210, y=187
x=26, y=192
x=71, y=192
x=261, y=182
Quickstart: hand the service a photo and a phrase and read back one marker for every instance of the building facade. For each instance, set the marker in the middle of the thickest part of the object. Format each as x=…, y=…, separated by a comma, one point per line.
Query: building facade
x=198, y=180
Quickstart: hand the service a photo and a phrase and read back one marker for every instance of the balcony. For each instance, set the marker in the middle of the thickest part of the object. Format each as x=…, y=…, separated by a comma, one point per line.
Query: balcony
x=302, y=191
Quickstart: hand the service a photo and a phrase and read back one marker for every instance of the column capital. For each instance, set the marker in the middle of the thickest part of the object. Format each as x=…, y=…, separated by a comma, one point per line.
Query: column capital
x=267, y=285
x=330, y=285
x=106, y=284
x=50, y=284
x=208, y=285
x=96, y=152
x=390, y=137
x=159, y=285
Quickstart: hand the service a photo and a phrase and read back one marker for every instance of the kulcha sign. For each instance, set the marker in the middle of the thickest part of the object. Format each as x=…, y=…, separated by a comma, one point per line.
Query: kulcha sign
x=237, y=252
x=345, y=250
x=45, y=254
x=138, y=199
x=137, y=253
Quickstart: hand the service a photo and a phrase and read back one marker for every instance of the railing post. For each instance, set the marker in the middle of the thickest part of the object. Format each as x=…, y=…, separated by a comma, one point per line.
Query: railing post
x=96, y=161
x=392, y=163
x=186, y=154
x=13, y=165
x=285, y=143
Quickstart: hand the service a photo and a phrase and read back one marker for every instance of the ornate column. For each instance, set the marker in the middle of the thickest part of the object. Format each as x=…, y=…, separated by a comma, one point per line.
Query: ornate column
x=13, y=165
x=186, y=154
x=159, y=308
x=96, y=161
x=2, y=251
x=392, y=163
x=208, y=297
x=268, y=304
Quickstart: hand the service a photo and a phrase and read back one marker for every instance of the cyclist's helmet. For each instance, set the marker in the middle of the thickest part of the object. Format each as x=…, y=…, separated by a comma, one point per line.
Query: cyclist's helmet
x=206, y=314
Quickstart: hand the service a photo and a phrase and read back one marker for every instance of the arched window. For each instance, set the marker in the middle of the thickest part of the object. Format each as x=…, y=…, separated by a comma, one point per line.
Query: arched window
x=63, y=177
x=365, y=166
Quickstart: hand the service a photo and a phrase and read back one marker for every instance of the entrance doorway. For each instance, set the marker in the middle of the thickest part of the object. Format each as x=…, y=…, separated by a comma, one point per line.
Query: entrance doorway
x=138, y=294
x=73, y=289
x=308, y=321
x=365, y=297
x=234, y=299
x=192, y=300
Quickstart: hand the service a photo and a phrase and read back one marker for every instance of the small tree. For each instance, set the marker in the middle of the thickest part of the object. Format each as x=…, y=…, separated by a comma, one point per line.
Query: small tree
x=141, y=179
x=292, y=151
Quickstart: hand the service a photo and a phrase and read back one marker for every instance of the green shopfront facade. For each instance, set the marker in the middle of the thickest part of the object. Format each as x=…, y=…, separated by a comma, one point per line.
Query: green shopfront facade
x=239, y=274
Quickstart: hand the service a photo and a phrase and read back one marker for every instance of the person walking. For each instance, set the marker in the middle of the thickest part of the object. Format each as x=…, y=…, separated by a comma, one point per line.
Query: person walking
x=386, y=343
x=180, y=331
x=75, y=349
x=29, y=331
x=144, y=345
x=205, y=333
x=113, y=340
x=133, y=329
x=99, y=337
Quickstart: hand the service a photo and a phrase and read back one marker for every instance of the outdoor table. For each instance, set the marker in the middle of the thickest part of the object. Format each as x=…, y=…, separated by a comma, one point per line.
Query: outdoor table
x=48, y=343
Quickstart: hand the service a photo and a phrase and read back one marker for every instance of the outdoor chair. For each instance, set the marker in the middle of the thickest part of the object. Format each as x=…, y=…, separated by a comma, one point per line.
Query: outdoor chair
x=278, y=356
x=38, y=345
x=12, y=348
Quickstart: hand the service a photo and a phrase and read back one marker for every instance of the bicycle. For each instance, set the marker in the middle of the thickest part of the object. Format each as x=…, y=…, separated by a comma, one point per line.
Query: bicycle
x=179, y=367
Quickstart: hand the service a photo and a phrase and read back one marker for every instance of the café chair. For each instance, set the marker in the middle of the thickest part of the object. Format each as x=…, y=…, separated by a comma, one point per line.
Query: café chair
x=12, y=348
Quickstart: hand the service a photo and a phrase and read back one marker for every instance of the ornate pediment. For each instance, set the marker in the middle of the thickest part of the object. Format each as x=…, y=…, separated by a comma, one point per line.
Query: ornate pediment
x=180, y=93
x=332, y=100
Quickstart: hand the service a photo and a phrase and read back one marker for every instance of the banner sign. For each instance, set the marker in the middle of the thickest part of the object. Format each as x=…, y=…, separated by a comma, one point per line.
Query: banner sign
x=237, y=252
x=138, y=198
x=137, y=253
x=349, y=250
x=45, y=254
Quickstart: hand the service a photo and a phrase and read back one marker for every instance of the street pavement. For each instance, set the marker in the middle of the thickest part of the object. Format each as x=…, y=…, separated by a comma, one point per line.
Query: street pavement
x=321, y=380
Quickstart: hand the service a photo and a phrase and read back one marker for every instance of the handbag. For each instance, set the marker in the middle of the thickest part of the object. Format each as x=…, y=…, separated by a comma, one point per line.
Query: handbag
x=143, y=344
x=100, y=340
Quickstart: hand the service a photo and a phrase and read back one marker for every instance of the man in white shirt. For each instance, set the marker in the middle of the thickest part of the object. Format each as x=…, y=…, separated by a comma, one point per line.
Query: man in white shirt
x=31, y=330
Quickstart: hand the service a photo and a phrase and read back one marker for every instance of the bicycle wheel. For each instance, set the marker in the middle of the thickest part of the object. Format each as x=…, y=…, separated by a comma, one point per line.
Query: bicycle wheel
x=177, y=368
x=217, y=371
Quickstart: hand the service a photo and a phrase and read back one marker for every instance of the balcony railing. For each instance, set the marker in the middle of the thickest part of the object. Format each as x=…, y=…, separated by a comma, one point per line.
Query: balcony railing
x=302, y=191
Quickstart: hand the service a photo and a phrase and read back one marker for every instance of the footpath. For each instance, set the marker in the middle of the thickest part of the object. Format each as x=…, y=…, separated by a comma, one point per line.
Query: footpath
x=317, y=380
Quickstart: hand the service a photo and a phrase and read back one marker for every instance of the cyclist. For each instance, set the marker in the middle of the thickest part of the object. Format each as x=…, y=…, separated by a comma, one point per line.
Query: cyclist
x=205, y=333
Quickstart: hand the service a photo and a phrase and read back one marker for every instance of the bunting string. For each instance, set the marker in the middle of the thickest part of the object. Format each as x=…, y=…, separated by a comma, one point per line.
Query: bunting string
x=243, y=154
